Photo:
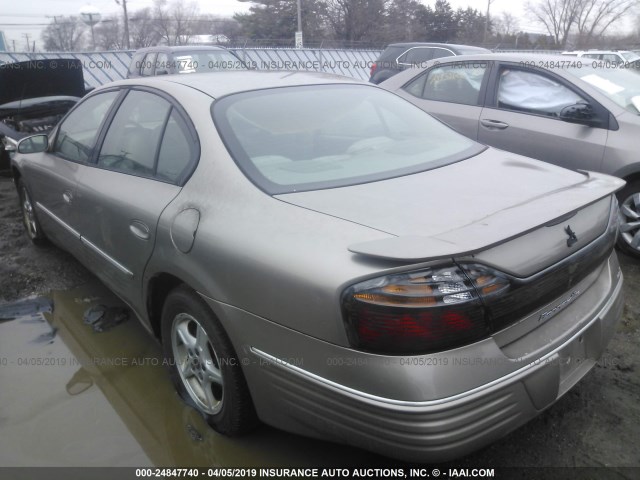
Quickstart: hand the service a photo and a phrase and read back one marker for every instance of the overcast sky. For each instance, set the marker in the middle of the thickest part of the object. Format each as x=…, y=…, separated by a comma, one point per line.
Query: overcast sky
x=18, y=18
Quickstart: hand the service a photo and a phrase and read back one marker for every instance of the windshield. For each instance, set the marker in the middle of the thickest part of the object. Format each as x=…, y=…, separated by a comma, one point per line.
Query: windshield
x=619, y=84
x=313, y=137
x=207, y=60
x=630, y=56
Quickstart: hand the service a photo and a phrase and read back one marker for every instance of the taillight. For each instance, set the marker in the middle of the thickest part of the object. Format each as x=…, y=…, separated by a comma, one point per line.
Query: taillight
x=420, y=312
x=373, y=69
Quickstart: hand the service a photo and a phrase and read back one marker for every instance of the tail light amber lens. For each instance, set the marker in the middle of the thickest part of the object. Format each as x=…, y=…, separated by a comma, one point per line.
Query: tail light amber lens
x=420, y=312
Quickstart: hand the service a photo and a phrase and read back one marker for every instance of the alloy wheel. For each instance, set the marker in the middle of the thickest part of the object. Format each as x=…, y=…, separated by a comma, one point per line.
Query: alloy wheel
x=197, y=363
x=29, y=215
x=630, y=221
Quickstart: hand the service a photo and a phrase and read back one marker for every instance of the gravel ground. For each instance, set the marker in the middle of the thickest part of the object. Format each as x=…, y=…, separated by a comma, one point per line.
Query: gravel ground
x=596, y=424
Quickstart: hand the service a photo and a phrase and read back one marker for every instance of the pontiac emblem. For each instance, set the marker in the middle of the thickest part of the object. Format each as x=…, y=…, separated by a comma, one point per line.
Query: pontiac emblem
x=572, y=236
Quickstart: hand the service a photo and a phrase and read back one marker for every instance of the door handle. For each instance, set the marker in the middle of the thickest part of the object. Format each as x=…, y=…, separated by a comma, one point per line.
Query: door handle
x=494, y=124
x=67, y=196
x=139, y=229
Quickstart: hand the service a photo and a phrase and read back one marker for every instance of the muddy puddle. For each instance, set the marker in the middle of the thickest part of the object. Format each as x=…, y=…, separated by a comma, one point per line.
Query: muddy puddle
x=73, y=395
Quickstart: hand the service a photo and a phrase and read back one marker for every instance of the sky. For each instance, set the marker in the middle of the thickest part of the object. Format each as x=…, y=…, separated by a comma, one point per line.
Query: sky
x=14, y=15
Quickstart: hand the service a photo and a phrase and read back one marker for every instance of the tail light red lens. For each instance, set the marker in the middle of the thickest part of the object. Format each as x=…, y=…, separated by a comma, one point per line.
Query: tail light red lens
x=420, y=312
x=373, y=69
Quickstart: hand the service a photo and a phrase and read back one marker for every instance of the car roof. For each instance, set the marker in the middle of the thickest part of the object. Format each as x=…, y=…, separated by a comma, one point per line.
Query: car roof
x=430, y=44
x=219, y=84
x=508, y=57
x=178, y=48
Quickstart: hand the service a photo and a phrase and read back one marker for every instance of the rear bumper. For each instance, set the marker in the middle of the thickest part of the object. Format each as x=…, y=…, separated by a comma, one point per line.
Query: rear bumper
x=416, y=408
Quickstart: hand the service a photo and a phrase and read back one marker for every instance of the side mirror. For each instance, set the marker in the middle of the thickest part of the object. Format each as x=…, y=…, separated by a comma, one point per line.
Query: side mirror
x=581, y=113
x=33, y=144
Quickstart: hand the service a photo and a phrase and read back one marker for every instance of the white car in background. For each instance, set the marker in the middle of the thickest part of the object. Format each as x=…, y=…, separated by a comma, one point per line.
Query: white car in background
x=616, y=57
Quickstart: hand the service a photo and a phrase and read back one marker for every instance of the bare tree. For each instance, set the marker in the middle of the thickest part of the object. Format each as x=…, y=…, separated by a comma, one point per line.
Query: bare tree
x=108, y=34
x=176, y=21
x=506, y=24
x=557, y=16
x=588, y=18
x=126, y=22
x=143, y=28
x=64, y=34
x=226, y=27
x=596, y=16
x=357, y=20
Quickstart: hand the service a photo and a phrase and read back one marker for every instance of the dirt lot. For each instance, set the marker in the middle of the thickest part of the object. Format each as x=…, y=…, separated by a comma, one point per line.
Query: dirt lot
x=595, y=424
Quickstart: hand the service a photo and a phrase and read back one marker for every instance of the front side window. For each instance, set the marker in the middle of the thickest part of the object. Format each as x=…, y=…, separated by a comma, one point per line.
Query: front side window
x=533, y=93
x=455, y=83
x=147, y=65
x=78, y=132
x=313, y=137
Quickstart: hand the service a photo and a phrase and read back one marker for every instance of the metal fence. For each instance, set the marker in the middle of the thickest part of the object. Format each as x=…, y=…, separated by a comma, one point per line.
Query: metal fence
x=104, y=67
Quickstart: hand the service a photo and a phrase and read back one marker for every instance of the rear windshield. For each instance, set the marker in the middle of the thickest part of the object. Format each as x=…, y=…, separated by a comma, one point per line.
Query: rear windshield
x=206, y=61
x=391, y=53
x=471, y=50
x=313, y=137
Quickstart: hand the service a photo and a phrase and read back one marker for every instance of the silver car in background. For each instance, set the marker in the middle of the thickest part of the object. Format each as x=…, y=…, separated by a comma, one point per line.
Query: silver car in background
x=320, y=254
x=578, y=113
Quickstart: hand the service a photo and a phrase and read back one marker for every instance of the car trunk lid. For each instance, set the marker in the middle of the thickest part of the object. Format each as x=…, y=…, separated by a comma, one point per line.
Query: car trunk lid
x=474, y=205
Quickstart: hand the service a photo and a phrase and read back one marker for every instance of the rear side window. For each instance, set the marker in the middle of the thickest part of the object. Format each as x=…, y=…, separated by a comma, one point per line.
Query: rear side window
x=455, y=83
x=77, y=133
x=136, y=65
x=417, y=56
x=442, y=52
x=134, y=134
x=147, y=65
x=176, y=151
x=391, y=53
x=162, y=64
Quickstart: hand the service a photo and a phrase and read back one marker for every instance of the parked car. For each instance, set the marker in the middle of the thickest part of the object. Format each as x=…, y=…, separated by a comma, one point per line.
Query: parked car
x=555, y=109
x=164, y=60
x=320, y=254
x=607, y=57
x=34, y=96
x=400, y=56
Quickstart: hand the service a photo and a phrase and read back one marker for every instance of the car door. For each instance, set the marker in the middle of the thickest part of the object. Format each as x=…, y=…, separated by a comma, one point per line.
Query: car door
x=452, y=92
x=53, y=174
x=139, y=169
x=522, y=116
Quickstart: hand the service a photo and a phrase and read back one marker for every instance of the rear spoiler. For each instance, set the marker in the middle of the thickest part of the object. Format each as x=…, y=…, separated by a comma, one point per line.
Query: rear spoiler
x=495, y=229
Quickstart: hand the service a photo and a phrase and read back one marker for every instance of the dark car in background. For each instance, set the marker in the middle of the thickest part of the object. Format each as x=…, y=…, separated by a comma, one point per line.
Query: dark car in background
x=400, y=56
x=164, y=60
x=34, y=96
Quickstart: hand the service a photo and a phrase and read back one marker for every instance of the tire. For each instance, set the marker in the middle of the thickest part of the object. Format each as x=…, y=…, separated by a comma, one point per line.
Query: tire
x=629, y=237
x=203, y=365
x=29, y=217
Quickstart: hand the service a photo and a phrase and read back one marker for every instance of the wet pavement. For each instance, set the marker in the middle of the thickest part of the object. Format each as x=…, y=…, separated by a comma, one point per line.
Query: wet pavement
x=74, y=396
